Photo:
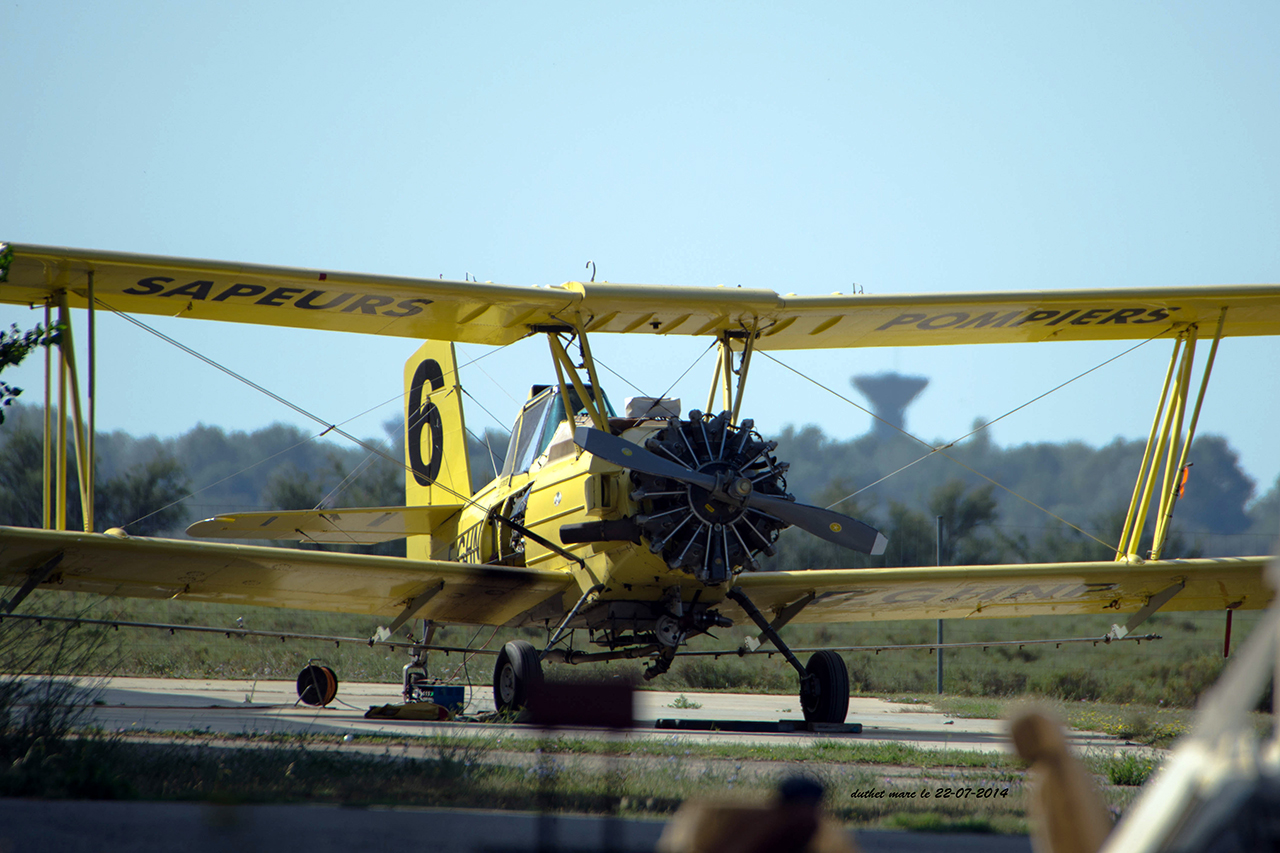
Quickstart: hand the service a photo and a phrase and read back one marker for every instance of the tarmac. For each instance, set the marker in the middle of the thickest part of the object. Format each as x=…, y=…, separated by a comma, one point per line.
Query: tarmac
x=152, y=707
x=139, y=705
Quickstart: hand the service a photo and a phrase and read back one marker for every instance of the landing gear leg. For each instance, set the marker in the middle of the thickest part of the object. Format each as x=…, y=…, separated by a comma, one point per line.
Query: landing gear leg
x=516, y=675
x=669, y=631
x=415, y=671
x=661, y=663
x=824, y=682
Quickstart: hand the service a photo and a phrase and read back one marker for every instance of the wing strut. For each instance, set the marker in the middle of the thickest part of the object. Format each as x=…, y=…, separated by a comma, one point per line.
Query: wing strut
x=767, y=630
x=594, y=401
x=1154, y=603
x=572, y=613
x=785, y=615
x=56, y=471
x=34, y=579
x=410, y=611
x=1166, y=439
x=731, y=398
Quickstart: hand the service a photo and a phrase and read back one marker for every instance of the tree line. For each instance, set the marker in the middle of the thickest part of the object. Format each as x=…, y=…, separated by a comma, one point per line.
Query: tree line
x=1016, y=504
x=1015, y=510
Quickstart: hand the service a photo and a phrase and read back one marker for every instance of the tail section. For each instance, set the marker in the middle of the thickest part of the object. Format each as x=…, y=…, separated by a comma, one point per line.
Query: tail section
x=438, y=470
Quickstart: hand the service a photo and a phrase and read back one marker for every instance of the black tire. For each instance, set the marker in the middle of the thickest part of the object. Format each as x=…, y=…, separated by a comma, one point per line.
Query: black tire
x=517, y=673
x=824, y=693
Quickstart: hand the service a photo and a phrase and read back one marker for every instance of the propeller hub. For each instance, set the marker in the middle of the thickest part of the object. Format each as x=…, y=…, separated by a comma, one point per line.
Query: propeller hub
x=710, y=506
x=704, y=528
x=722, y=477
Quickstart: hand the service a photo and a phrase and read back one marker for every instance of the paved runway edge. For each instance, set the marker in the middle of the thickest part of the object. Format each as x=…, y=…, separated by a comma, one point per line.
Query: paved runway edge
x=269, y=707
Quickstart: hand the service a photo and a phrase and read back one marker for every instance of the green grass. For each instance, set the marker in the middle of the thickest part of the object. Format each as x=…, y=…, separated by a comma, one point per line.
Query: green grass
x=821, y=751
x=1134, y=691
x=600, y=776
x=452, y=773
x=929, y=764
x=1153, y=726
x=1130, y=769
x=931, y=821
x=563, y=775
x=1169, y=673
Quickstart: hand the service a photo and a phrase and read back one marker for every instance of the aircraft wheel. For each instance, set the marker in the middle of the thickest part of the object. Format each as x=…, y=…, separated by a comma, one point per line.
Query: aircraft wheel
x=317, y=685
x=517, y=672
x=824, y=692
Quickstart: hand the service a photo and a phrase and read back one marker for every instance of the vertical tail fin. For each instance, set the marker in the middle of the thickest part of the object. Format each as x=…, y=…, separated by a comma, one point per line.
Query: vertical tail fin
x=435, y=434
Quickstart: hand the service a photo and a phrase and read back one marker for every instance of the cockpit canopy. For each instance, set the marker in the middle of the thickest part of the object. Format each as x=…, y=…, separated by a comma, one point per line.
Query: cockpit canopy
x=541, y=415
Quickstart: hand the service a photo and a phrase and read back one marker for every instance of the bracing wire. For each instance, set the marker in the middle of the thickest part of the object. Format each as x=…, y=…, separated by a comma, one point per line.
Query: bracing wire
x=495, y=382
x=483, y=408
x=329, y=427
x=345, y=481
x=941, y=449
x=350, y=478
x=264, y=460
x=677, y=381
x=465, y=499
x=467, y=658
x=189, y=351
x=493, y=459
x=636, y=387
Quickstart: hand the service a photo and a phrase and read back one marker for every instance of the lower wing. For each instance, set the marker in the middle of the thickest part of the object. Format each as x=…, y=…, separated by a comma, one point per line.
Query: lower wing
x=279, y=577
x=957, y=592
x=361, y=526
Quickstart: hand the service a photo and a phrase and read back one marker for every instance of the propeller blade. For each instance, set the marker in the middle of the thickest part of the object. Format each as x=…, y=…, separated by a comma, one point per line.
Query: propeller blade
x=624, y=453
x=823, y=523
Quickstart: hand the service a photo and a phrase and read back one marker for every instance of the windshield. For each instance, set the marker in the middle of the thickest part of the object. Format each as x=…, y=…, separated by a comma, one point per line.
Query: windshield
x=537, y=425
x=556, y=417
x=528, y=425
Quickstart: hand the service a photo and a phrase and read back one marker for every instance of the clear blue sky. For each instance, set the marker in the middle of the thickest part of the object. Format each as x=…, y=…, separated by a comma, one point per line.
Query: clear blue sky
x=906, y=147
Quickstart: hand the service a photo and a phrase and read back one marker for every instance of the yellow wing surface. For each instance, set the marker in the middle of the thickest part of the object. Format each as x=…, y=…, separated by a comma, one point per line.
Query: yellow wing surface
x=363, y=526
x=963, y=592
x=486, y=313
x=280, y=577
x=496, y=595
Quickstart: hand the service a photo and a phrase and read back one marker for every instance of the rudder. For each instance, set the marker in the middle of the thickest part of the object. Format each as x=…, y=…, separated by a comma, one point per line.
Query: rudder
x=438, y=470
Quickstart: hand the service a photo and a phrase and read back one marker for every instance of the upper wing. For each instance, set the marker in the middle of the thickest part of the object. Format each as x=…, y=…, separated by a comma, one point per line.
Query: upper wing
x=486, y=313
x=819, y=322
x=278, y=577
x=337, y=526
x=992, y=592
x=433, y=309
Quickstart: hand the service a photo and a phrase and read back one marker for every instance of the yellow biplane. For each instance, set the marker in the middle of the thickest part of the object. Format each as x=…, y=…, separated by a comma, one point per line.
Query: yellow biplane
x=642, y=527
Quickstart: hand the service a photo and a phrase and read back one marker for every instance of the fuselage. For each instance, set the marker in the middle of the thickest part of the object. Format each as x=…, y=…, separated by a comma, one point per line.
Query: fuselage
x=563, y=487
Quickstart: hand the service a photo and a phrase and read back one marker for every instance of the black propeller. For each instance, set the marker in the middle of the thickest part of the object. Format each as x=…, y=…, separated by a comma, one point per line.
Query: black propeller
x=823, y=523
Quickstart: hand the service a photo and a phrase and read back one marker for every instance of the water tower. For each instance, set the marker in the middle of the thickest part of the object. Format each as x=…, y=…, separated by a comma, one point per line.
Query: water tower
x=889, y=395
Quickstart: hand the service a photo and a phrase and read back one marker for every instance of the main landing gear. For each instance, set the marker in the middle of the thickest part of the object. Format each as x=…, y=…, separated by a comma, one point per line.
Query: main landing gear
x=517, y=673
x=824, y=681
x=824, y=688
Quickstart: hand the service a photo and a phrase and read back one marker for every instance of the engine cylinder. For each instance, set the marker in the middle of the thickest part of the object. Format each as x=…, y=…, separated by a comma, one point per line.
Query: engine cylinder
x=693, y=529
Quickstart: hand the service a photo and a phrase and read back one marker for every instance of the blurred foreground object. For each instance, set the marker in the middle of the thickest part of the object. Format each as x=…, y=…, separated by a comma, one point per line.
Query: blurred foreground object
x=587, y=704
x=1067, y=814
x=793, y=821
x=1219, y=790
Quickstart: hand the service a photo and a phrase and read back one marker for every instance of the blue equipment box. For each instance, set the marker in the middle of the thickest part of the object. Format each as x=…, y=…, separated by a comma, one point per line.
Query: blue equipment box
x=451, y=696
